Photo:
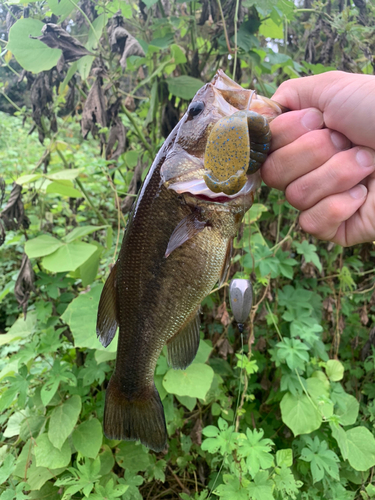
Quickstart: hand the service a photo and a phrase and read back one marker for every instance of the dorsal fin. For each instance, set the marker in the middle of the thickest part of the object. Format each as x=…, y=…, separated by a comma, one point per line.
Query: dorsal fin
x=183, y=346
x=107, y=321
x=186, y=229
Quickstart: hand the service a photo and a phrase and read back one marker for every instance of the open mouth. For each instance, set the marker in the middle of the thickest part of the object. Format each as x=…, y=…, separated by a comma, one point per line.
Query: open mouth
x=199, y=189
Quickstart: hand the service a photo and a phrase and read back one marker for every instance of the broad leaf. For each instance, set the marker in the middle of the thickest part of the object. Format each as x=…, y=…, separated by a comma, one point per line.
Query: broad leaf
x=81, y=318
x=63, y=419
x=48, y=456
x=33, y=55
x=194, y=382
x=88, y=437
x=299, y=414
x=68, y=257
x=41, y=246
x=184, y=86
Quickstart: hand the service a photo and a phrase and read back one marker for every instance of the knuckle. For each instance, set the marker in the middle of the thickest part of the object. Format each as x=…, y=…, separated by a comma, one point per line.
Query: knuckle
x=271, y=171
x=297, y=194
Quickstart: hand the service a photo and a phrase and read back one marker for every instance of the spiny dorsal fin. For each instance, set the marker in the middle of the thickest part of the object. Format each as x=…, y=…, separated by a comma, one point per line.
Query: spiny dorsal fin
x=227, y=259
x=183, y=346
x=186, y=229
x=107, y=321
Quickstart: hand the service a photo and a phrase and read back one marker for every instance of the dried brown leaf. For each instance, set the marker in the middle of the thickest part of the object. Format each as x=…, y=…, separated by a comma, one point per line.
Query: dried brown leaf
x=57, y=38
x=196, y=432
x=13, y=216
x=116, y=141
x=24, y=284
x=94, y=111
x=224, y=348
x=122, y=41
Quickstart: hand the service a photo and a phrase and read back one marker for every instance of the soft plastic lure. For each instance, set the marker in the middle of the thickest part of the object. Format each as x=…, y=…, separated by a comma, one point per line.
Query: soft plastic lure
x=237, y=146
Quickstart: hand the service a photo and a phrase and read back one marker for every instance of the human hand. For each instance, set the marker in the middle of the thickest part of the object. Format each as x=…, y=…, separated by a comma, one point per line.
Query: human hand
x=323, y=154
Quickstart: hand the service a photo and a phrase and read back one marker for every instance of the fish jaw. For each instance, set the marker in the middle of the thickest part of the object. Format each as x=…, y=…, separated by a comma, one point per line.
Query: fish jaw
x=184, y=167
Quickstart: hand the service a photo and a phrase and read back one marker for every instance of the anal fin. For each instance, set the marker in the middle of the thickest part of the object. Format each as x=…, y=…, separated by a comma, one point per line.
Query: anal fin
x=183, y=346
x=186, y=229
x=107, y=320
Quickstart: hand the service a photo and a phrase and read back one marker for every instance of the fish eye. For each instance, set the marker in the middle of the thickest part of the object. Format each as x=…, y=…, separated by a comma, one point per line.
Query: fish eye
x=195, y=108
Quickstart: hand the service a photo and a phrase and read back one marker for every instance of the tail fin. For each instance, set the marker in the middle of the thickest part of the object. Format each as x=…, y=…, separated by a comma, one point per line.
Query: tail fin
x=132, y=420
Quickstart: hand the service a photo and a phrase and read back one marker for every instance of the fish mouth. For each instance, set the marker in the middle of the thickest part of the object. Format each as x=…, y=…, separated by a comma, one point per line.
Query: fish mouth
x=197, y=187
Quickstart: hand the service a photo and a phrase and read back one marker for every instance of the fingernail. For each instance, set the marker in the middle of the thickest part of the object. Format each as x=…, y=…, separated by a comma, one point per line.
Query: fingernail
x=312, y=119
x=340, y=141
x=358, y=192
x=364, y=158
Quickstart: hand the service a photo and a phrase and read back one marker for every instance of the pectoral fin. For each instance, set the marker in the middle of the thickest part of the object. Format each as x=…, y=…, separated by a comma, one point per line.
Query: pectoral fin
x=186, y=229
x=183, y=347
x=107, y=321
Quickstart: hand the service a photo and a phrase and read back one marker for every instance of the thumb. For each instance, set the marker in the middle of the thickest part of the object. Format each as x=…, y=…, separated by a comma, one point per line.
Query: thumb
x=346, y=100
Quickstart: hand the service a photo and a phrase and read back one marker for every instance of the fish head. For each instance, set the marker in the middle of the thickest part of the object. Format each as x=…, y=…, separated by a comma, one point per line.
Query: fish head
x=207, y=139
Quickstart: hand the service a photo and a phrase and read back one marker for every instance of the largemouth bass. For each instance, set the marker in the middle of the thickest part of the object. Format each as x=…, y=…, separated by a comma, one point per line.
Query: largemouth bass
x=176, y=246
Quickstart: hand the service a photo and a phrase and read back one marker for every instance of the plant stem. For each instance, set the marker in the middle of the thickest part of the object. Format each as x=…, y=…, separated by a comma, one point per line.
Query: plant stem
x=88, y=199
x=85, y=193
x=235, y=40
x=88, y=21
x=138, y=131
x=224, y=27
x=11, y=102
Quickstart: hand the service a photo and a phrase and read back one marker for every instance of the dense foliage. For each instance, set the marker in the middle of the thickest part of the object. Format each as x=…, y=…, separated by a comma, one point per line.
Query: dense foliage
x=288, y=411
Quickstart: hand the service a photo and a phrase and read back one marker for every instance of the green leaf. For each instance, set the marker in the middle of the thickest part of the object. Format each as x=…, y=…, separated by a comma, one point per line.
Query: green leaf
x=95, y=31
x=80, y=315
x=293, y=352
x=270, y=29
x=256, y=450
x=64, y=175
x=81, y=231
x=348, y=415
x=334, y=370
x=309, y=252
x=319, y=394
x=32, y=55
x=47, y=455
x=285, y=482
x=194, y=382
x=41, y=246
x=340, y=435
x=20, y=329
x=133, y=457
x=184, y=86
x=284, y=457
x=299, y=414
x=88, y=437
x=7, y=468
x=63, y=419
x=255, y=213
x=26, y=179
x=89, y=269
x=204, y=350
x=188, y=402
x=68, y=257
x=361, y=448
x=63, y=187
x=322, y=460
x=38, y=476
x=261, y=488
x=61, y=8
x=232, y=489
